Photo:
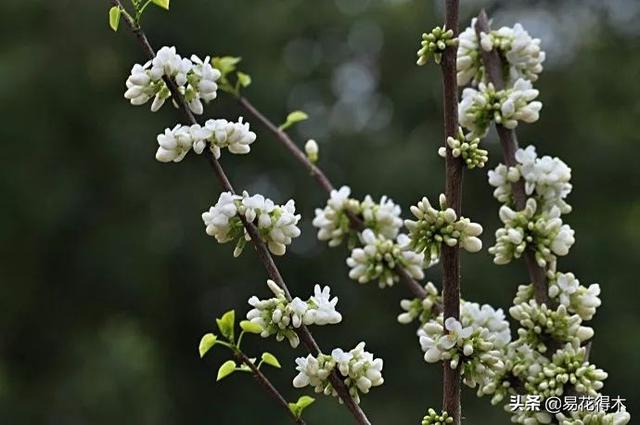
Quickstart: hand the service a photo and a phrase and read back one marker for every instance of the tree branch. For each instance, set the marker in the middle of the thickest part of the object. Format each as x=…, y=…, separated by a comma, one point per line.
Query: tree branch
x=509, y=143
x=261, y=249
x=323, y=181
x=453, y=192
x=268, y=386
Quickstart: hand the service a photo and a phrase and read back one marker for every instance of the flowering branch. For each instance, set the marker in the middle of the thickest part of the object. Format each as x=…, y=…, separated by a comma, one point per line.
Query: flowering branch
x=261, y=249
x=509, y=144
x=453, y=191
x=324, y=182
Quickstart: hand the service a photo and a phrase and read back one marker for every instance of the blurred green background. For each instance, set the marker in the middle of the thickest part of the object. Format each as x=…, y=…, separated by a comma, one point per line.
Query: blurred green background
x=108, y=279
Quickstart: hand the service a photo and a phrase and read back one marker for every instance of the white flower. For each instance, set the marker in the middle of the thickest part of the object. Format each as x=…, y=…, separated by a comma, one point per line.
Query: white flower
x=311, y=149
x=277, y=224
x=420, y=308
x=480, y=106
x=280, y=317
x=542, y=231
x=434, y=227
x=382, y=217
x=332, y=221
x=521, y=51
x=217, y=219
x=378, y=259
x=581, y=300
x=485, y=316
x=359, y=369
x=469, y=62
x=217, y=134
x=195, y=80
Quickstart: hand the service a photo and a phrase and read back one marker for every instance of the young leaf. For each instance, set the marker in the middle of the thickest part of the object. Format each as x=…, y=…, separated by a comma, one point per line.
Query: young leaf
x=302, y=403
x=162, y=3
x=244, y=79
x=226, y=324
x=271, y=360
x=252, y=328
x=114, y=17
x=226, y=369
x=292, y=118
x=225, y=64
x=207, y=341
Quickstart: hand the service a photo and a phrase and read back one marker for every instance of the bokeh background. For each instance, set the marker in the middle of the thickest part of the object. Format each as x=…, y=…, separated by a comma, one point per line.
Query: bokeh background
x=108, y=279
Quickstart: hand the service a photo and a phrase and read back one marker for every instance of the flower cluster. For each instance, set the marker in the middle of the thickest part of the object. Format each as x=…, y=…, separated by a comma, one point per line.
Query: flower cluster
x=541, y=231
x=516, y=47
x=379, y=257
x=434, y=44
x=280, y=317
x=469, y=150
x=468, y=347
x=195, y=80
x=480, y=106
x=469, y=61
x=277, y=224
x=546, y=178
x=175, y=143
x=420, y=308
x=357, y=367
x=580, y=300
x=433, y=227
x=333, y=220
x=594, y=418
x=540, y=324
x=435, y=418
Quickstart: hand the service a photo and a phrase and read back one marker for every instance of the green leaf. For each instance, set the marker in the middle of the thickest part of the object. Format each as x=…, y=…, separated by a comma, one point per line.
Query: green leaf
x=294, y=117
x=207, y=341
x=162, y=3
x=225, y=64
x=226, y=369
x=302, y=403
x=114, y=17
x=271, y=360
x=244, y=79
x=226, y=324
x=252, y=328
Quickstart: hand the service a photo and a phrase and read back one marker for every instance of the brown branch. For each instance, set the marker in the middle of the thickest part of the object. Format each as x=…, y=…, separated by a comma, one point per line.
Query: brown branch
x=268, y=386
x=323, y=181
x=261, y=249
x=453, y=192
x=509, y=143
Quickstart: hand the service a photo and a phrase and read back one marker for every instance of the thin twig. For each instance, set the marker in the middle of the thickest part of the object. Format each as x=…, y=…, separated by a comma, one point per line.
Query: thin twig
x=323, y=181
x=268, y=386
x=453, y=192
x=509, y=143
x=261, y=248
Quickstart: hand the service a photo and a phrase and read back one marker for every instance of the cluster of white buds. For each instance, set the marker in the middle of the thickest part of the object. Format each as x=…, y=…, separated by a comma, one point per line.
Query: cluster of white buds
x=434, y=227
x=357, y=367
x=480, y=106
x=195, y=80
x=333, y=221
x=485, y=316
x=546, y=178
x=420, y=308
x=471, y=349
x=469, y=61
x=469, y=150
x=437, y=418
x=518, y=48
x=581, y=300
x=175, y=143
x=280, y=317
x=594, y=418
x=569, y=365
x=379, y=257
x=541, y=231
x=540, y=324
x=435, y=43
x=277, y=224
